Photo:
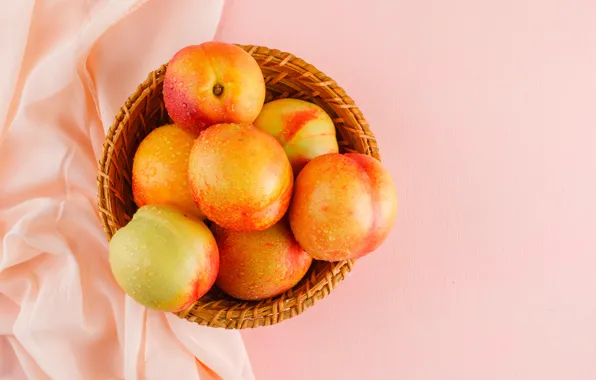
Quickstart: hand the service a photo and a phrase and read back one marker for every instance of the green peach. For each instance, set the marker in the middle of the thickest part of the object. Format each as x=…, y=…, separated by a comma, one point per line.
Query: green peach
x=164, y=259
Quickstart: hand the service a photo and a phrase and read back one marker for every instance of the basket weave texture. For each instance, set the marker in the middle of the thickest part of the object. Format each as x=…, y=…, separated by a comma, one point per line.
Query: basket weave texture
x=285, y=76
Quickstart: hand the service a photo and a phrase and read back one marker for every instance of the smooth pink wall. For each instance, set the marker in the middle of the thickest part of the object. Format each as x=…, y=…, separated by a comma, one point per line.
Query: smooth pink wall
x=485, y=112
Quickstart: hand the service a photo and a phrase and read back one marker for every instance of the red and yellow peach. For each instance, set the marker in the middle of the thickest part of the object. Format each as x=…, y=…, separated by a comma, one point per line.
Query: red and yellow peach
x=240, y=177
x=259, y=264
x=304, y=129
x=214, y=82
x=344, y=206
x=160, y=170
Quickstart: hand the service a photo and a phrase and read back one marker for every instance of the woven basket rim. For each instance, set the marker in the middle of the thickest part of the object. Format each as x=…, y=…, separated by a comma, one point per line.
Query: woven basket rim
x=245, y=314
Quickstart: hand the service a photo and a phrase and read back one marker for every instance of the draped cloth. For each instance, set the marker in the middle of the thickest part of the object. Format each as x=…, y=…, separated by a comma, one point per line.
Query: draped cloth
x=66, y=68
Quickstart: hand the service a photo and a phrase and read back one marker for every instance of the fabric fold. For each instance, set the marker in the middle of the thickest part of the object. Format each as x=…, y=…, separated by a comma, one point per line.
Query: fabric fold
x=68, y=66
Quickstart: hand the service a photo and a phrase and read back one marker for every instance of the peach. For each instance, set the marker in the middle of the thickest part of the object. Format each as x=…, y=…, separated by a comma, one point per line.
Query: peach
x=163, y=259
x=211, y=83
x=304, y=129
x=240, y=177
x=344, y=206
x=259, y=264
x=160, y=169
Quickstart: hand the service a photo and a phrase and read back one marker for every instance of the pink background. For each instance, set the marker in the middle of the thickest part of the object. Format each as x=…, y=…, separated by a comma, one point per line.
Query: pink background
x=485, y=112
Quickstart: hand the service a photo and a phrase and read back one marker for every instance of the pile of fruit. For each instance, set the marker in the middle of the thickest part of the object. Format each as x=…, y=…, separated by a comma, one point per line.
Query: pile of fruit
x=241, y=194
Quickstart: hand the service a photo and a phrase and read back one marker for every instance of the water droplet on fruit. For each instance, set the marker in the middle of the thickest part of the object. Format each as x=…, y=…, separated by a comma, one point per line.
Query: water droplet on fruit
x=184, y=105
x=188, y=114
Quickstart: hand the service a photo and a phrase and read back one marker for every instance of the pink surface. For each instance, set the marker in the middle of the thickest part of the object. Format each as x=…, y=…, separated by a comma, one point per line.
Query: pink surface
x=484, y=113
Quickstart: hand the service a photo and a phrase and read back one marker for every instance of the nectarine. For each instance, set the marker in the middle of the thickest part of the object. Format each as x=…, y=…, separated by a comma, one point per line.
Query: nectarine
x=214, y=82
x=164, y=259
x=160, y=169
x=240, y=177
x=344, y=206
x=259, y=264
x=304, y=129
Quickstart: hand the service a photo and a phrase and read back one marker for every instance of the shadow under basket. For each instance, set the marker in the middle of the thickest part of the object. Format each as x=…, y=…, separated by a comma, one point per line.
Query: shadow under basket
x=285, y=76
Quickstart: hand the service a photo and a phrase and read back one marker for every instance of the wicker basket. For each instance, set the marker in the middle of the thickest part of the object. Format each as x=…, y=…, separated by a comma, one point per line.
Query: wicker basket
x=285, y=76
